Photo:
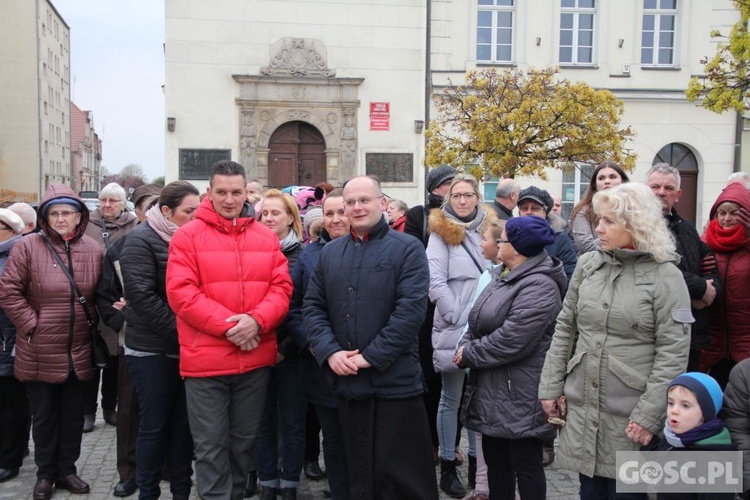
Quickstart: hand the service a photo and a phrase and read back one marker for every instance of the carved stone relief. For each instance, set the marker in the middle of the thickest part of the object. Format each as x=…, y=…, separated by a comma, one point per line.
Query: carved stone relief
x=298, y=57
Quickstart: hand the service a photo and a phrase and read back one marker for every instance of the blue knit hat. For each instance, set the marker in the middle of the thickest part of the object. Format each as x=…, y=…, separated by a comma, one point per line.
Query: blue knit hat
x=63, y=200
x=706, y=390
x=529, y=235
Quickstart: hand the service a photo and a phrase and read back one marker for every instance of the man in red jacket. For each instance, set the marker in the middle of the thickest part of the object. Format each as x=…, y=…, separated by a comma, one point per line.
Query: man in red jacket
x=229, y=287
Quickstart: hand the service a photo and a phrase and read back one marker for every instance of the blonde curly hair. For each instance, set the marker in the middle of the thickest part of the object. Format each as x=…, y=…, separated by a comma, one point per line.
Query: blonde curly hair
x=635, y=207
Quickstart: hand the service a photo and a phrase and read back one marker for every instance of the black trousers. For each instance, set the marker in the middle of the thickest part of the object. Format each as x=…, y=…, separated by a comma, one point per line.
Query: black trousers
x=57, y=411
x=388, y=448
x=334, y=452
x=312, y=434
x=514, y=460
x=14, y=422
x=108, y=378
x=127, y=420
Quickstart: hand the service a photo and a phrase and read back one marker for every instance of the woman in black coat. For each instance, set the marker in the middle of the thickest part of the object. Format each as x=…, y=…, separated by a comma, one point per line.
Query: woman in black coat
x=152, y=350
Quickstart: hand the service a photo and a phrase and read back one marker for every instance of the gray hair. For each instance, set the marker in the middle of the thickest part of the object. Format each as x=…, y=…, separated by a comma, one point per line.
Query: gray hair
x=506, y=188
x=400, y=205
x=114, y=189
x=664, y=168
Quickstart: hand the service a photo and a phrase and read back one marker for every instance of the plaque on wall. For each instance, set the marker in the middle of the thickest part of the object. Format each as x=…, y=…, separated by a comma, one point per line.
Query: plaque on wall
x=195, y=164
x=390, y=167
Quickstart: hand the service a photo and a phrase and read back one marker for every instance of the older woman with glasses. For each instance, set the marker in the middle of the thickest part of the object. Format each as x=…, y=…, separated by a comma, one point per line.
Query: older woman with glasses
x=53, y=338
x=455, y=257
x=510, y=328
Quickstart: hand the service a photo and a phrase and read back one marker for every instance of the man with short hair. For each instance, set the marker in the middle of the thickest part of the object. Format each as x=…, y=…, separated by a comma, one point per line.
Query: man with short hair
x=536, y=201
x=506, y=198
x=365, y=303
x=254, y=187
x=229, y=287
x=703, y=284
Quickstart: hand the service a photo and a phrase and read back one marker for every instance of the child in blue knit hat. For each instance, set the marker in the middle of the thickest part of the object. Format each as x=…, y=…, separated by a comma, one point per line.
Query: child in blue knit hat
x=693, y=402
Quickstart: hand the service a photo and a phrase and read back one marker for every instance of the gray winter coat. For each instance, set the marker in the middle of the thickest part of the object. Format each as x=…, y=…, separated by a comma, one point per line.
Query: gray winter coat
x=453, y=280
x=633, y=318
x=510, y=328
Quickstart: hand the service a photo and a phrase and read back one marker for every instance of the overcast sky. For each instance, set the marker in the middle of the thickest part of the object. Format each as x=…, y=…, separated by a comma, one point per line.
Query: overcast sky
x=117, y=71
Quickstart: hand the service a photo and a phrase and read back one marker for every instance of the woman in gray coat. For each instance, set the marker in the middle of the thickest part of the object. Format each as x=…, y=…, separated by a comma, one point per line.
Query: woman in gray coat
x=630, y=307
x=510, y=328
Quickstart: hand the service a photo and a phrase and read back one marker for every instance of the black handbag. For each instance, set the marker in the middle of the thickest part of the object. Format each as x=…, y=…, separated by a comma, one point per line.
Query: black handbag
x=100, y=355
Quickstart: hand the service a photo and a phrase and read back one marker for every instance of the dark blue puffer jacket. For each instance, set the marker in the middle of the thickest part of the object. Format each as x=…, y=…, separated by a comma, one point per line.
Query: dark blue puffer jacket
x=7, y=328
x=370, y=295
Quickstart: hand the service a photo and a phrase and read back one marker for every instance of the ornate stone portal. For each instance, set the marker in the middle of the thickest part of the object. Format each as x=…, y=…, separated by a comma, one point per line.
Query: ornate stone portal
x=297, y=85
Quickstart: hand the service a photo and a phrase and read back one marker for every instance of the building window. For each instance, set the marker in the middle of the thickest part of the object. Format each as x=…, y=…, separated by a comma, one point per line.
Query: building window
x=495, y=31
x=577, y=31
x=576, y=178
x=658, y=34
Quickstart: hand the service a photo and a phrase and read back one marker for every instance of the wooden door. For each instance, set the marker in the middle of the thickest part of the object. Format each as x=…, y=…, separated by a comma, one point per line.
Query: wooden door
x=296, y=156
x=687, y=204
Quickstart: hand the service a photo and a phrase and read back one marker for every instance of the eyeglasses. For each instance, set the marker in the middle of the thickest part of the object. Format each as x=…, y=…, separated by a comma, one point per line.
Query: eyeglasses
x=361, y=201
x=64, y=214
x=111, y=201
x=5, y=228
x=466, y=196
x=502, y=241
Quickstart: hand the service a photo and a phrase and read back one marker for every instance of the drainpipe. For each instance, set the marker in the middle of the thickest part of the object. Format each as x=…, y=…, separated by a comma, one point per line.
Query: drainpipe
x=39, y=106
x=737, y=167
x=427, y=75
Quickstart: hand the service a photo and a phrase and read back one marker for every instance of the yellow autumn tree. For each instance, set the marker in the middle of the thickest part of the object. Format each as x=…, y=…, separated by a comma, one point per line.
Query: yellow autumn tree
x=508, y=122
x=726, y=83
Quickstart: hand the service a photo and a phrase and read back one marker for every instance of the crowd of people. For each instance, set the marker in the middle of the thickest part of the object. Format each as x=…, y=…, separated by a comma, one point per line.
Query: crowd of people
x=244, y=322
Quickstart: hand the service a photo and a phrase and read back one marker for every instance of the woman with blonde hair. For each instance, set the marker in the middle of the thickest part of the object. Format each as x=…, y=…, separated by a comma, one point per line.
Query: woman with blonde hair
x=456, y=262
x=630, y=309
x=285, y=406
x=607, y=174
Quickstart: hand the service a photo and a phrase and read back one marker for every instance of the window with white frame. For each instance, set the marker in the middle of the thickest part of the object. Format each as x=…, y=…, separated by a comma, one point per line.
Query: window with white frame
x=575, y=182
x=495, y=31
x=658, y=32
x=577, y=31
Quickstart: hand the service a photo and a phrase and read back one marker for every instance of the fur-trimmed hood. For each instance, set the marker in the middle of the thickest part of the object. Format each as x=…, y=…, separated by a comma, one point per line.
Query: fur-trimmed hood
x=450, y=232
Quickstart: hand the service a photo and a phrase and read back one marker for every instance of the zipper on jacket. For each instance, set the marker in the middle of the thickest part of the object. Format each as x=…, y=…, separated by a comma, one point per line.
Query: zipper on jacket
x=71, y=368
x=726, y=313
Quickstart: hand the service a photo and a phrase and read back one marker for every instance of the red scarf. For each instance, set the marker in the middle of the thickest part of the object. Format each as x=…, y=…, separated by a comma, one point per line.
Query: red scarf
x=720, y=239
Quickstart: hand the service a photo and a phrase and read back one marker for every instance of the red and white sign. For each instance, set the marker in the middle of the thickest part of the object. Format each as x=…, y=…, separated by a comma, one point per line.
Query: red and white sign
x=380, y=116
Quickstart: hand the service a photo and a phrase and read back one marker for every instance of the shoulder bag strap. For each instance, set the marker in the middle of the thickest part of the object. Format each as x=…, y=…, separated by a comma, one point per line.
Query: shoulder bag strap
x=79, y=294
x=463, y=244
x=105, y=235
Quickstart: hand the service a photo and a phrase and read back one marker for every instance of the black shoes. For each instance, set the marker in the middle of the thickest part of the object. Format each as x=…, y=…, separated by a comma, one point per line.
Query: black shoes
x=125, y=488
x=73, y=484
x=110, y=416
x=313, y=471
x=42, y=489
x=88, y=422
x=6, y=474
x=288, y=493
x=450, y=483
x=268, y=493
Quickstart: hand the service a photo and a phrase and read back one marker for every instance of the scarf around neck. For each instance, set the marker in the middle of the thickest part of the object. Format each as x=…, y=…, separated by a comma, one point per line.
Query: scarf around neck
x=708, y=429
x=289, y=241
x=164, y=227
x=470, y=222
x=721, y=239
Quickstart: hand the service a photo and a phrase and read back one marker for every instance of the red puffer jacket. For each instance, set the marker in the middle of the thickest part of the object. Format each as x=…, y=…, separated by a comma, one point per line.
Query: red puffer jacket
x=53, y=336
x=729, y=325
x=218, y=268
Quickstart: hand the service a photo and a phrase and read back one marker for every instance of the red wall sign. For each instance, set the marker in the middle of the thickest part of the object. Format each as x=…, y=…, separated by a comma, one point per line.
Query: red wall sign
x=380, y=116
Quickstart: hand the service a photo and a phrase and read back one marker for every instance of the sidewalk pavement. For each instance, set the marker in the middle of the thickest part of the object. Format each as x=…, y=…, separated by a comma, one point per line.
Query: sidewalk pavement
x=97, y=466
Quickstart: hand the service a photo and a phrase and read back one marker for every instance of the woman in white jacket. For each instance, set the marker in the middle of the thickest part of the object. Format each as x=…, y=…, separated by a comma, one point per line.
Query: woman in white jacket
x=456, y=262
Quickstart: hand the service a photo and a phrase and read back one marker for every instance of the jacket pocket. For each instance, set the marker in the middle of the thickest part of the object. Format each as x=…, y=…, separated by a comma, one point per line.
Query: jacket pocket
x=624, y=388
x=575, y=374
